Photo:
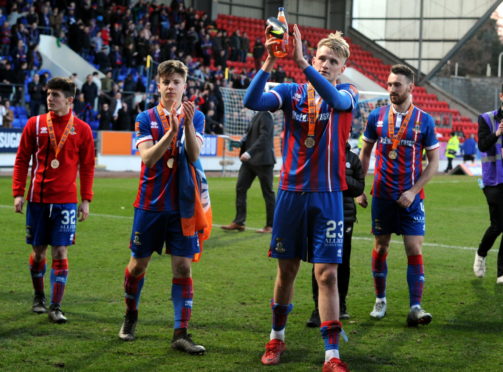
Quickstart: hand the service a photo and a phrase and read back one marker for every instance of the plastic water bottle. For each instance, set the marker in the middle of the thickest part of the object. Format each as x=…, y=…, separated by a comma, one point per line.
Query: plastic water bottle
x=280, y=49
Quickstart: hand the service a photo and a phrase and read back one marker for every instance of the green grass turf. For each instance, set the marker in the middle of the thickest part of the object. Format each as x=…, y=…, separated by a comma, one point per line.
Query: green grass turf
x=233, y=285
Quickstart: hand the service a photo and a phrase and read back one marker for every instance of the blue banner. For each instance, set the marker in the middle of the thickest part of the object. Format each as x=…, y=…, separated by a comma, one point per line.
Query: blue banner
x=9, y=139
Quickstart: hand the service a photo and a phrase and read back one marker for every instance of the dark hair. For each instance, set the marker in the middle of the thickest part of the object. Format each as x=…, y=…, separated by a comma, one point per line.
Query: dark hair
x=403, y=70
x=63, y=84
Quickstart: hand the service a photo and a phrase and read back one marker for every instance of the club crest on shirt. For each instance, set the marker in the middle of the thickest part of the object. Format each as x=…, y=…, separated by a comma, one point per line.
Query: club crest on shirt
x=280, y=248
x=136, y=240
x=73, y=131
x=417, y=129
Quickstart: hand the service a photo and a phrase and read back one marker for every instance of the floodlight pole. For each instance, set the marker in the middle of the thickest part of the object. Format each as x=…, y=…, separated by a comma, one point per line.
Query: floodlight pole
x=499, y=64
x=420, y=46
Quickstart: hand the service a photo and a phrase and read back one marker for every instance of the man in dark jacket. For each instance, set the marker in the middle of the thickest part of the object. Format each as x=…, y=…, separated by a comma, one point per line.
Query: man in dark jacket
x=257, y=156
x=356, y=185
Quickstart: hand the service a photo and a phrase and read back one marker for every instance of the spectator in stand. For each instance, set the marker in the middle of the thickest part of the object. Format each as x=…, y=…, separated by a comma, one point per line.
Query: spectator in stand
x=56, y=18
x=124, y=121
x=235, y=43
x=8, y=117
x=279, y=75
x=213, y=126
x=245, y=47
x=102, y=58
x=221, y=59
x=90, y=90
x=97, y=80
x=79, y=105
x=129, y=83
x=258, y=53
x=3, y=18
x=107, y=82
x=207, y=49
x=116, y=105
x=105, y=117
x=36, y=93
x=5, y=38
x=469, y=149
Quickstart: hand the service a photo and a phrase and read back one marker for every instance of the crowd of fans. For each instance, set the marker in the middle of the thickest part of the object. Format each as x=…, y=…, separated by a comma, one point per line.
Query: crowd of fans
x=116, y=37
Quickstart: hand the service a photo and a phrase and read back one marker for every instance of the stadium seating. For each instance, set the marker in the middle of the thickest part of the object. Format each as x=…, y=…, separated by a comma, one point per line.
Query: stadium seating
x=446, y=119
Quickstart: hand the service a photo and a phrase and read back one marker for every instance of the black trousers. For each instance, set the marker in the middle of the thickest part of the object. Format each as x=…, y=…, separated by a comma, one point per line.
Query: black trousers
x=449, y=165
x=247, y=174
x=343, y=270
x=494, y=196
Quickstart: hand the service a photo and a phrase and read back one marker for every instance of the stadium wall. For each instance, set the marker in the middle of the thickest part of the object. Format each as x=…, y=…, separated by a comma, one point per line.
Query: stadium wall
x=481, y=93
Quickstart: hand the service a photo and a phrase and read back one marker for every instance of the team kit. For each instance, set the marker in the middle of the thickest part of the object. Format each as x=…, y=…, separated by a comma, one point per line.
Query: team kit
x=172, y=206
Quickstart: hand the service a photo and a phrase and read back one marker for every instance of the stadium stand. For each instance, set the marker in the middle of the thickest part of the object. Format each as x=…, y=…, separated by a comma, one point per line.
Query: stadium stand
x=175, y=31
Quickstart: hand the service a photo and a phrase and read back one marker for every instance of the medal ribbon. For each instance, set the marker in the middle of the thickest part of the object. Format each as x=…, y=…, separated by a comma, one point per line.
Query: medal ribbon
x=52, y=136
x=395, y=138
x=312, y=110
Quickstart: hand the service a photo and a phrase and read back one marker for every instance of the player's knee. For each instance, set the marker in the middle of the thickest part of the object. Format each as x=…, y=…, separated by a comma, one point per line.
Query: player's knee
x=327, y=278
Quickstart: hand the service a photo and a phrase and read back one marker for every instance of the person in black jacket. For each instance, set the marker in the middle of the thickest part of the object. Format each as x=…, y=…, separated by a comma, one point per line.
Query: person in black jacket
x=356, y=185
x=257, y=156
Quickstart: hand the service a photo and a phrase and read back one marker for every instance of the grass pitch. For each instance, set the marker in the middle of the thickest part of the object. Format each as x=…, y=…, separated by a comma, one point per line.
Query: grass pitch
x=233, y=285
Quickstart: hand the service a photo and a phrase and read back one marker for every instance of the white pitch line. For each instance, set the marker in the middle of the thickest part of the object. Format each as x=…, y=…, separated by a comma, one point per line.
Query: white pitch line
x=426, y=244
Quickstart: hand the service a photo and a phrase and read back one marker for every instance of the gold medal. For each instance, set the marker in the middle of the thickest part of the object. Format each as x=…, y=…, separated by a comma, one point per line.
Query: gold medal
x=392, y=154
x=309, y=142
x=55, y=163
x=170, y=162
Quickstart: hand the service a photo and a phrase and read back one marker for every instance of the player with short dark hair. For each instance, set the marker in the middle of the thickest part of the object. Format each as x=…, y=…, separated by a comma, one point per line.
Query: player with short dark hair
x=58, y=145
x=401, y=131
x=172, y=203
x=308, y=217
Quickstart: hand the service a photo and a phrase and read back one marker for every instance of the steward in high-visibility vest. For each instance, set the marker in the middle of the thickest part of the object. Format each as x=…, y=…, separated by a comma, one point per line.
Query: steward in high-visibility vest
x=451, y=150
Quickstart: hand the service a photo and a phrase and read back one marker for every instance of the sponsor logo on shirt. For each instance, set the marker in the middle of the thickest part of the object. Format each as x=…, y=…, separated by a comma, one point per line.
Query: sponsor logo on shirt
x=43, y=130
x=379, y=124
x=153, y=125
x=403, y=142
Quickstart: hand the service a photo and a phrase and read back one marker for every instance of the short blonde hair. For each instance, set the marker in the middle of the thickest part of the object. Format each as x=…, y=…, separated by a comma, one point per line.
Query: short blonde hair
x=336, y=42
x=173, y=66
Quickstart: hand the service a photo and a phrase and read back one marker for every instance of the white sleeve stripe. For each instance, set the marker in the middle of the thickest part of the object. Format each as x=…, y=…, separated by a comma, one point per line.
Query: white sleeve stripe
x=143, y=139
x=433, y=147
x=200, y=137
x=368, y=140
x=278, y=97
x=351, y=96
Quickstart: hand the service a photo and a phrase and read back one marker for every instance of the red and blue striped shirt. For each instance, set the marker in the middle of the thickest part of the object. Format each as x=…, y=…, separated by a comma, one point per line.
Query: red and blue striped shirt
x=158, y=187
x=320, y=168
x=392, y=177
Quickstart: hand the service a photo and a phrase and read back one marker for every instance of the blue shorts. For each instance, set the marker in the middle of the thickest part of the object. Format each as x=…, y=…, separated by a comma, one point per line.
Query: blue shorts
x=388, y=217
x=151, y=230
x=53, y=224
x=308, y=226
